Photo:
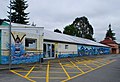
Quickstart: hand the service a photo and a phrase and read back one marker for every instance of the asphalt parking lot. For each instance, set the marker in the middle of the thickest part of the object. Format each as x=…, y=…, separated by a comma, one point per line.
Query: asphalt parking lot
x=62, y=70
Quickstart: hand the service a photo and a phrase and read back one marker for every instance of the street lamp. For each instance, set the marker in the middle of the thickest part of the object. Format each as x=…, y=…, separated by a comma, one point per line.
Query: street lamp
x=10, y=39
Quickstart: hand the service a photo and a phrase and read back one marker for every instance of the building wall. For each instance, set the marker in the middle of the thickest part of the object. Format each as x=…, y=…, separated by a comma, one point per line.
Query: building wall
x=67, y=50
x=20, y=53
x=116, y=47
x=74, y=50
x=84, y=50
x=81, y=50
x=60, y=51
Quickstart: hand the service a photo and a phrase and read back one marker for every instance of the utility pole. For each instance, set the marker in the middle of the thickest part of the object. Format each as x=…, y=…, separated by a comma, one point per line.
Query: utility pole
x=10, y=40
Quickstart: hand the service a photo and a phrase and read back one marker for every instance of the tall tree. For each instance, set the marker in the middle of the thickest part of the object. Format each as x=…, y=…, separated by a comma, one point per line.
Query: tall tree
x=18, y=14
x=110, y=33
x=57, y=30
x=80, y=28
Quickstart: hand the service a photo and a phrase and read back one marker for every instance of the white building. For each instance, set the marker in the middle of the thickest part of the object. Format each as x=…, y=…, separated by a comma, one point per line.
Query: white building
x=29, y=44
x=62, y=45
x=26, y=43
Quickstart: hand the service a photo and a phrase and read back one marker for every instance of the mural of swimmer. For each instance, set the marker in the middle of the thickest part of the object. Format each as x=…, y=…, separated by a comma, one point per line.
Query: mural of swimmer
x=17, y=47
x=18, y=52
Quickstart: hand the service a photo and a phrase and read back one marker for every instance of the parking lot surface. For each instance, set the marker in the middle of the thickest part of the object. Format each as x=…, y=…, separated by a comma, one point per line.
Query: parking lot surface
x=62, y=70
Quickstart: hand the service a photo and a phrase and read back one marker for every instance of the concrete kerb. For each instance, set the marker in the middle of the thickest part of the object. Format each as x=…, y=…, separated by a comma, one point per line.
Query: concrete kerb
x=6, y=67
x=14, y=66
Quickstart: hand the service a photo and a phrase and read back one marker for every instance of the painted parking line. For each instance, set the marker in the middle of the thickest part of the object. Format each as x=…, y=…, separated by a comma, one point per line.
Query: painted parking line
x=21, y=71
x=83, y=64
x=101, y=62
x=88, y=71
x=26, y=76
x=22, y=76
x=64, y=70
x=47, y=74
x=61, y=70
x=89, y=67
x=93, y=63
x=77, y=67
x=30, y=71
x=69, y=65
x=37, y=77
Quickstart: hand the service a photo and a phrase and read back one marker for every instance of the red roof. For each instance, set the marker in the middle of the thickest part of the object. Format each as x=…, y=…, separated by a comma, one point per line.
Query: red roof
x=108, y=41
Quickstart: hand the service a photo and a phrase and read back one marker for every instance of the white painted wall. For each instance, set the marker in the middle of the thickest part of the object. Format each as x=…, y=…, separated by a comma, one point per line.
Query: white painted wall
x=72, y=48
x=34, y=33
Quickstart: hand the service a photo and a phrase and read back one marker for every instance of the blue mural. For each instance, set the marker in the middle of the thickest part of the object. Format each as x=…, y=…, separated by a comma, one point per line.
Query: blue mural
x=18, y=54
x=92, y=50
x=67, y=55
x=87, y=51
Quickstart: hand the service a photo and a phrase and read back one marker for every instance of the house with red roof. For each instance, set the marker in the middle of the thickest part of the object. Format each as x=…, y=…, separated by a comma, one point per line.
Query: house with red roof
x=112, y=44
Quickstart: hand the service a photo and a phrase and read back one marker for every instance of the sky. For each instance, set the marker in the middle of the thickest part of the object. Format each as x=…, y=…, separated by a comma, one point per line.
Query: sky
x=52, y=14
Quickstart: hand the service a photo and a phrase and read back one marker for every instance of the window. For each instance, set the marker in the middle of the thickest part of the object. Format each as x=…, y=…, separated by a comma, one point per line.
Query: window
x=30, y=43
x=66, y=46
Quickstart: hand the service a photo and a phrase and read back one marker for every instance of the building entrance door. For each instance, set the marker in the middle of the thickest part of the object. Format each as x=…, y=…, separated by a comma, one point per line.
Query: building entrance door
x=114, y=51
x=48, y=50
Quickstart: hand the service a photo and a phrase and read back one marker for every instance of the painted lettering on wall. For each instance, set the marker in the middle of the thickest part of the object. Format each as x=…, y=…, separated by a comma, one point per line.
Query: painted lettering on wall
x=18, y=53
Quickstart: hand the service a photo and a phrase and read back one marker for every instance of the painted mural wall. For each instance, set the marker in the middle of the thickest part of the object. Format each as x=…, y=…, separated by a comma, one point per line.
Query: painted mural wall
x=83, y=50
x=92, y=50
x=18, y=52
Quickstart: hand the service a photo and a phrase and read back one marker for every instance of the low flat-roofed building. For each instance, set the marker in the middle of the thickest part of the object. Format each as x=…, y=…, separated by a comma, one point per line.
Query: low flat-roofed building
x=62, y=45
x=29, y=44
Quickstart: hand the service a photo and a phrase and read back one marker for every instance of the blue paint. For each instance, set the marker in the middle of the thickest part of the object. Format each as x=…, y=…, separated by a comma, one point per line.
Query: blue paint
x=20, y=56
x=4, y=59
x=67, y=55
x=87, y=51
x=91, y=50
x=18, y=60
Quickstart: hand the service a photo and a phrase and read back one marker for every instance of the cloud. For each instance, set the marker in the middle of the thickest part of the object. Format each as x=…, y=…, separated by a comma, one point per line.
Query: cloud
x=3, y=8
x=53, y=14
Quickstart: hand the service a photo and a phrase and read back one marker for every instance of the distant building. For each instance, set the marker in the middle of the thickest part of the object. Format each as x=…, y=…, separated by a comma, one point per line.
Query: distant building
x=119, y=47
x=112, y=44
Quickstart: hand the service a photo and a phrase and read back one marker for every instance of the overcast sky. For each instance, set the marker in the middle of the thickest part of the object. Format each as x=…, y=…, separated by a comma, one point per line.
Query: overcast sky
x=52, y=14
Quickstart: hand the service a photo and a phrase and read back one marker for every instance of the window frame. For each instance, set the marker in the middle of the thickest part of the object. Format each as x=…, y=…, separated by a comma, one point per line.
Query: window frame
x=27, y=48
x=66, y=46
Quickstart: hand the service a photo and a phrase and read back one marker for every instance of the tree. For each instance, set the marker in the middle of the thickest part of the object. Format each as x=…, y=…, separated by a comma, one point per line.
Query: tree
x=57, y=30
x=2, y=20
x=110, y=34
x=18, y=14
x=70, y=30
x=80, y=28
